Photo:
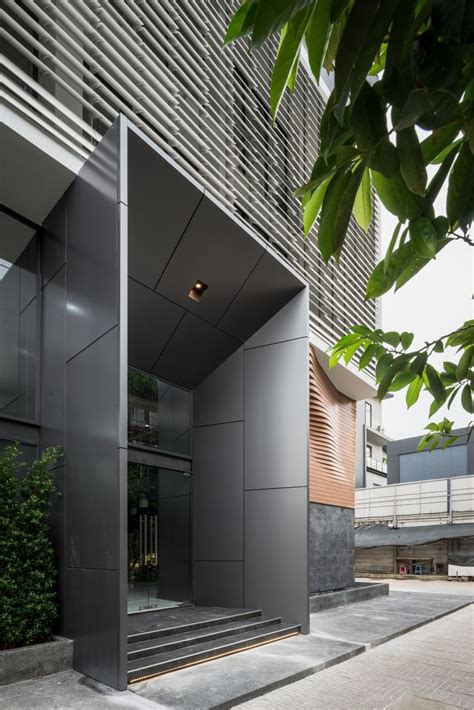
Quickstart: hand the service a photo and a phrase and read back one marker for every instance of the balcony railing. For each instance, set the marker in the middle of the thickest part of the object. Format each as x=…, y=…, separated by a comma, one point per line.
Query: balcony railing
x=376, y=464
x=444, y=500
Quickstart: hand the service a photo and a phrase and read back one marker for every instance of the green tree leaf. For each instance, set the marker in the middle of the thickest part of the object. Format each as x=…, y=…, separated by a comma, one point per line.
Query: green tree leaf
x=435, y=385
x=272, y=16
x=460, y=201
x=242, y=21
x=413, y=391
x=313, y=206
x=406, y=339
x=423, y=235
x=368, y=355
x=336, y=210
x=395, y=196
x=363, y=202
x=412, y=166
x=415, y=106
x=415, y=265
x=466, y=399
x=464, y=364
x=317, y=35
x=292, y=36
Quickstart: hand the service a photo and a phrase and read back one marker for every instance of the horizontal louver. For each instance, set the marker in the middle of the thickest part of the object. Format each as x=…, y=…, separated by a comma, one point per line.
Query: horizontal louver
x=71, y=66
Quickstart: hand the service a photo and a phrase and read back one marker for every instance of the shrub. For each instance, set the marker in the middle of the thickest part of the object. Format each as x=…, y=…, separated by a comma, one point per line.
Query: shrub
x=27, y=569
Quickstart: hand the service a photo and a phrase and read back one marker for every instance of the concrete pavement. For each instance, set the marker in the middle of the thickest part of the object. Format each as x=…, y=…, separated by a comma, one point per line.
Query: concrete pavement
x=431, y=668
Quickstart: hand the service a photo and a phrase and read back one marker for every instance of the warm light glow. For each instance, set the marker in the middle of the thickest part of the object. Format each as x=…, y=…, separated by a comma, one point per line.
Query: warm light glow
x=197, y=290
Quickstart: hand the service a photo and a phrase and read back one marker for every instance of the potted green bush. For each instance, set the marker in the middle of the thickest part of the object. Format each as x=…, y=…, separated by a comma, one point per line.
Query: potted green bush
x=27, y=569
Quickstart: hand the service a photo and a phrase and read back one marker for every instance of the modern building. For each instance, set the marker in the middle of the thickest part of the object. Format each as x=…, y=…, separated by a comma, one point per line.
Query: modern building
x=373, y=469
x=423, y=520
x=164, y=321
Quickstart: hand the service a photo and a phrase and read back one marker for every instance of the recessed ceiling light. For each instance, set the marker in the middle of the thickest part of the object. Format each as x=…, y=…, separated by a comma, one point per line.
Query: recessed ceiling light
x=197, y=290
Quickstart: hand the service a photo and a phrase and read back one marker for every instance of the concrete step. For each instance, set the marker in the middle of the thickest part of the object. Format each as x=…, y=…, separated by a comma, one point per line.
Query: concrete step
x=141, y=668
x=185, y=626
x=171, y=642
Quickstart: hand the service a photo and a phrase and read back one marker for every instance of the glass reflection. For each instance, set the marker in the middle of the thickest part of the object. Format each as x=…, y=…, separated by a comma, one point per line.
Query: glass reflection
x=18, y=318
x=159, y=414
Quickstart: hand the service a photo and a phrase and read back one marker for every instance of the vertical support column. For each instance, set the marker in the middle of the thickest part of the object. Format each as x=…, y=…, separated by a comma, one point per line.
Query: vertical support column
x=276, y=412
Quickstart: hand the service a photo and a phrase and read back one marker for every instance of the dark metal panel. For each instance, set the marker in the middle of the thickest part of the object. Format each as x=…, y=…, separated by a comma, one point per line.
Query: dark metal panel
x=151, y=321
x=91, y=456
x=25, y=405
x=218, y=583
x=276, y=415
x=53, y=358
x=218, y=492
x=28, y=267
x=12, y=430
x=194, y=351
x=269, y=287
x=53, y=241
x=92, y=613
x=161, y=201
x=276, y=553
x=291, y=322
x=220, y=398
x=215, y=249
x=92, y=248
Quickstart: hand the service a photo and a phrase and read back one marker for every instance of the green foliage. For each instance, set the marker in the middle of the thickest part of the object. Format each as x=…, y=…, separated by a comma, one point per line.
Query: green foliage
x=398, y=66
x=27, y=570
x=142, y=385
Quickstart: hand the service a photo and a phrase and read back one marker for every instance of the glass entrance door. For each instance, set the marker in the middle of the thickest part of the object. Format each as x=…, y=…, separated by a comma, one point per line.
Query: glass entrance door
x=159, y=522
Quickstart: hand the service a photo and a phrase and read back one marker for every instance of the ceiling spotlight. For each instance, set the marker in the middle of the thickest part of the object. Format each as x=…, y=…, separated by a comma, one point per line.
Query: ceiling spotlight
x=197, y=290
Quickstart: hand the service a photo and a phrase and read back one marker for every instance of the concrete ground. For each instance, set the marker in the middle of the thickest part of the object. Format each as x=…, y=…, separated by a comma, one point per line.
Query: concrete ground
x=431, y=668
x=442, y=586
x=337, y=635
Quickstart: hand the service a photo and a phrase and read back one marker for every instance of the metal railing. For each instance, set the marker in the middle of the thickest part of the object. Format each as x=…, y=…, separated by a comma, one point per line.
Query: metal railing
x=376, y=464
x=444, y=500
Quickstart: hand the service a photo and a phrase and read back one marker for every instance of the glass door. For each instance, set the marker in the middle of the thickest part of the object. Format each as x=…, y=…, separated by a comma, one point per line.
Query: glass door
x=159, y=528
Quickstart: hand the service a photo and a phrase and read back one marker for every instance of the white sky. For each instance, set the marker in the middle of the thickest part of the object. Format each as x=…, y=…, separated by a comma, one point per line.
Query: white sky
x=434, y=302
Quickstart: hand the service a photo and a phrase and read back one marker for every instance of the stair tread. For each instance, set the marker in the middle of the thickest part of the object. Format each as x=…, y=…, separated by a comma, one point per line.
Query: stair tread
x=163, y=629
x=149, y=663
x=221, y=630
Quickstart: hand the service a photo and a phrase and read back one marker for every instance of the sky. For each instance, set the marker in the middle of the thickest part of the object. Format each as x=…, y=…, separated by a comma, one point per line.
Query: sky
x=436, y=301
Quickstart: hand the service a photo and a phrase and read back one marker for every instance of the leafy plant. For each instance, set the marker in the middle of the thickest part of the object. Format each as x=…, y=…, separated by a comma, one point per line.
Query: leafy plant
x=142, y=385
x=27, y=570
x=402, y=109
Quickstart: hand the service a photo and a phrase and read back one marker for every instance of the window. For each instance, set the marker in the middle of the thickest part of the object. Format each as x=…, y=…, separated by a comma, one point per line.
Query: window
x=368, y=451
x=159, y=414
x=368, y=414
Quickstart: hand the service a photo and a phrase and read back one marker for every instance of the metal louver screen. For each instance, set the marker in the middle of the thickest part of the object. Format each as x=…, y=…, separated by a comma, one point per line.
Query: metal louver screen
x=71, y=66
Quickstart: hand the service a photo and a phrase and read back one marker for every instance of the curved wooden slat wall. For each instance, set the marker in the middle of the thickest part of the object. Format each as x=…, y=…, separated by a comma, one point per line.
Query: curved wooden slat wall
x=332, y=437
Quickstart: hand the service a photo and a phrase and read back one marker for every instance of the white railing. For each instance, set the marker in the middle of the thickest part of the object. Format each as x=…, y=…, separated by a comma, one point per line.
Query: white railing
x=376, y=465
x=444, y=500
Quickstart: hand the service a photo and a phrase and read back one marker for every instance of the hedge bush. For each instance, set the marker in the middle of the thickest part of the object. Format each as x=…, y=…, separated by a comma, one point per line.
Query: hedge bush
x=27, y=569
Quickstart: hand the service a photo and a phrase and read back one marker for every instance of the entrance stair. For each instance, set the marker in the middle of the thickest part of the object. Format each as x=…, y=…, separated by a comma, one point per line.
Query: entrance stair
x=164, y=641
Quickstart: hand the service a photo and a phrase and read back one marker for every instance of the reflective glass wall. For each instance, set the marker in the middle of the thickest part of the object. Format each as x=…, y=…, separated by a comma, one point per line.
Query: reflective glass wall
x=18, y=318
x=159, y=414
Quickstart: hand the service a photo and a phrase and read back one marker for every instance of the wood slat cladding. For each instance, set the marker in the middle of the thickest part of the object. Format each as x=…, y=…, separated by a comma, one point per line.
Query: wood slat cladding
x=332, y=437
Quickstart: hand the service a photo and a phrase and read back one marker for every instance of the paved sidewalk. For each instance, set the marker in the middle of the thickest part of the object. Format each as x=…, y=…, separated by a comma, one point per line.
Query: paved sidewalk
x=431, y=586
x=431, y=668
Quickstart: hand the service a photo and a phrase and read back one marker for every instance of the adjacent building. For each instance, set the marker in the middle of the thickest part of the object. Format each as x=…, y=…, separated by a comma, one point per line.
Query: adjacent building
x=165, y=322
x=422, y=522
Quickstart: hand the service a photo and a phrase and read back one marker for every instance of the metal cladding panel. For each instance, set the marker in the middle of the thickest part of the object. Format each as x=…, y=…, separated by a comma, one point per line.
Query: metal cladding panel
x=53, y=241
x=276, y=415
x=220, y=398
x=92, y=247
x=161, y=202
x=218, y=583
x=25, y=405
x=218, y=492
x=92, y=456
x=276, y=553
x=28, y=267
x=92, y=613
x=289, y=323
x=269, y=287
x=217, y=250
x=152, y=320
x=193, y=352
x=53, y=358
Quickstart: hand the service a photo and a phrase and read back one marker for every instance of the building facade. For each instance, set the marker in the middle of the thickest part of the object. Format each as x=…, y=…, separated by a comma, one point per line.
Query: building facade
x=159, y=306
